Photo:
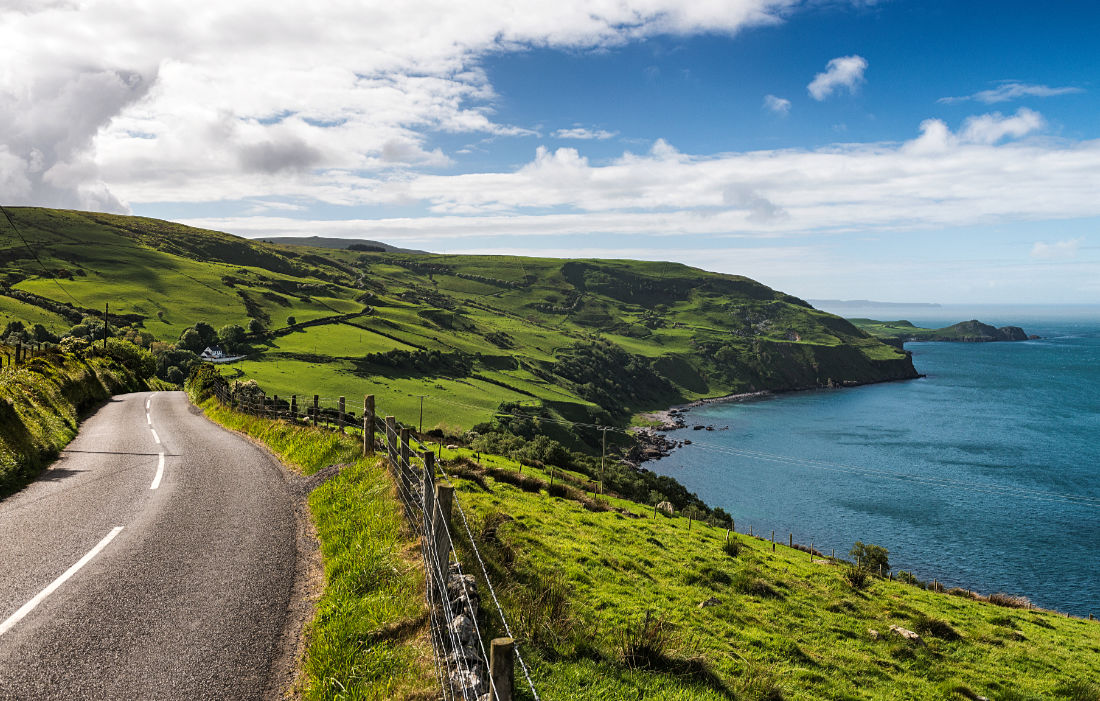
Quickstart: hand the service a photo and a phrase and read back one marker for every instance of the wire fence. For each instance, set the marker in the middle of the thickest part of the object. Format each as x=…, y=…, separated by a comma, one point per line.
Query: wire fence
x=468, y=666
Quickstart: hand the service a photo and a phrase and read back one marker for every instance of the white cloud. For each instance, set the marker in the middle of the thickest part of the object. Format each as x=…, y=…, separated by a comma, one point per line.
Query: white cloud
x=584, y=133
x=119, y=95
x=937, y=179
x=842, y=72
x=1011, y=90
x=1059, y=250
x=778, y=105
x=991, y=128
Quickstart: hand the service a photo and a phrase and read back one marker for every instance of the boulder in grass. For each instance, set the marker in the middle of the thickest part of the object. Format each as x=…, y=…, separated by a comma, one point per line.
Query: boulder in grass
x=907, y=634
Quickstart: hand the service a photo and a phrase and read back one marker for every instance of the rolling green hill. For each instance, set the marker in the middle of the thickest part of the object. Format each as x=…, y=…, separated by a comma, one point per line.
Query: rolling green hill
x=582, y=339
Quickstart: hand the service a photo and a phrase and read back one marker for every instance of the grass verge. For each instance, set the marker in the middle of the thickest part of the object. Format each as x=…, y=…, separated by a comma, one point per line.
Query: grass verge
x=42, y=401
x=368, y=639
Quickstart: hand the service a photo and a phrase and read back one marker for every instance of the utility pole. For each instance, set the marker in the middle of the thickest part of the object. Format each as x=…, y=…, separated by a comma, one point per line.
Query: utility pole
x=603, y=457
x=106, y=308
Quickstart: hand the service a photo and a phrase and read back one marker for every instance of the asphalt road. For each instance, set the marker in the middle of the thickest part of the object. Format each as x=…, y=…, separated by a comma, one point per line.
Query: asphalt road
x=184, y=588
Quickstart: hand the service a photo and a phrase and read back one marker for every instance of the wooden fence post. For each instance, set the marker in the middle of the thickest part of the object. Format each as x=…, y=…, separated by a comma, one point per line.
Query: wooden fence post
x=341, y=414
x=501, y=669
x=391, y=440
x=368, y=424
x=791, y=543
x=316, y=409
x=406, y=467
x=294, y=408
x=441, y=519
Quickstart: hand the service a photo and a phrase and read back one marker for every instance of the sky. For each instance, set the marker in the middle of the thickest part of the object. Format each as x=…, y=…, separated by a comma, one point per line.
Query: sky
x=894, y=150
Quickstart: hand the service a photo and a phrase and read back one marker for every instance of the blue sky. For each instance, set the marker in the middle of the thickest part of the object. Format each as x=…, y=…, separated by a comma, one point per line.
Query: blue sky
x=891, y=150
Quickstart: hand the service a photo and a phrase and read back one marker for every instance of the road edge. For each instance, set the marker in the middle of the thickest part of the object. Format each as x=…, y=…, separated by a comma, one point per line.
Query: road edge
x=285, y=674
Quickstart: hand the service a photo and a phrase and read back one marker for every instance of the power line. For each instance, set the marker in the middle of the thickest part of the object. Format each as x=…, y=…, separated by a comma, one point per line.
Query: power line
x=34, y=254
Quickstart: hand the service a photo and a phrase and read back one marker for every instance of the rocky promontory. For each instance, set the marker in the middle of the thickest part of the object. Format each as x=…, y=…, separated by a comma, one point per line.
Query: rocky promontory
x=897, y=333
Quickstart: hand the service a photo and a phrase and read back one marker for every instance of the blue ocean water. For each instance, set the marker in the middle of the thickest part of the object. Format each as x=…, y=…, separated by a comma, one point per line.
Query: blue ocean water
x=985, y=474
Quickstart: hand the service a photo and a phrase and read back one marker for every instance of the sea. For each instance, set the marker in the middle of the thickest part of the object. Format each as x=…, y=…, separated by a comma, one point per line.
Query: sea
x=984, y=474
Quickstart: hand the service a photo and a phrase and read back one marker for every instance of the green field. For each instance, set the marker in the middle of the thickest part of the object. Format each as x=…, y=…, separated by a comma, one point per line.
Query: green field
x=686, y=333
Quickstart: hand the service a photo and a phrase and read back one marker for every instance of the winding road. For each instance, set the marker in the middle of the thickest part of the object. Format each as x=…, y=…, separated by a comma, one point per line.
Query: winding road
x=155, y=560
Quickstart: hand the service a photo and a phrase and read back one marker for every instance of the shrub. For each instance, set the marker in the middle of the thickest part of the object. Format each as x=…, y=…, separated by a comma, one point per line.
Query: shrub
x=1010, y=600
x=647, y=644
x=732, y=547
x=857, y=577
x=871, y=557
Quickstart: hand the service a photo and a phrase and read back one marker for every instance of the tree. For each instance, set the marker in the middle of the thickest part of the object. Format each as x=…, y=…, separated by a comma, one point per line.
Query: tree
x=871, y=557
x=231, y=336
x=189, y=341
x=291, y=321
x=207, y=335
x=255, y=326
x=42, y=335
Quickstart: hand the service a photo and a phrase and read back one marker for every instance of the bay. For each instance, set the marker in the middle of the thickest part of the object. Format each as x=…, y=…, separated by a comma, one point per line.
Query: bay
x=985, y=474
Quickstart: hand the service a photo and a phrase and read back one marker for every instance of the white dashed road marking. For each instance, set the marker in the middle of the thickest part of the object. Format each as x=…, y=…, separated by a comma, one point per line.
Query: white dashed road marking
x=41, y=596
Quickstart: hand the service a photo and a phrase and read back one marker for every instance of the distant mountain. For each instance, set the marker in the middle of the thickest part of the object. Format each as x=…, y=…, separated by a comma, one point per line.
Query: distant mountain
x=339, y=243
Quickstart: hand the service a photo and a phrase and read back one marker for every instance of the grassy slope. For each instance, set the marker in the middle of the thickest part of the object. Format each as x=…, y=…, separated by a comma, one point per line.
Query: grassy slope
x=368, y=639
x=782, y=627
x=682, y=318
x=41, y=403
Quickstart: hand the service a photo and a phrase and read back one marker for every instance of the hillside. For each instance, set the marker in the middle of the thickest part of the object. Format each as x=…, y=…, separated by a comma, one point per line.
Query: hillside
x=972, y=331
x=590, y=340
x=613, y=599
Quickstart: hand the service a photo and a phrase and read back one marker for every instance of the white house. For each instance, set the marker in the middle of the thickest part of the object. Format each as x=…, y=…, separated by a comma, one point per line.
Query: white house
x=214, y=353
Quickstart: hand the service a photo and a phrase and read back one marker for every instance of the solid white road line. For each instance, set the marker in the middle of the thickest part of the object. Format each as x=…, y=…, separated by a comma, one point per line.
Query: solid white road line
x=155, y=436
x=41, y=596
x=160, y=472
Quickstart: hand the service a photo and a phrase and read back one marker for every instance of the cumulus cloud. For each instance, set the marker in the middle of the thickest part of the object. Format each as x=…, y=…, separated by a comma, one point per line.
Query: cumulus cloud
x=1011, y=90
x=991, y=128
x=842, y=72
x=1059, y=250
x=584, y=133
x=778, y=105
x=939, y=178
x=117, y=96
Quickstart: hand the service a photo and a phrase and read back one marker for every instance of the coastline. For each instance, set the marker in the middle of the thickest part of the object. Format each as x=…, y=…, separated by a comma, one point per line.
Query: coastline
x=654, y=444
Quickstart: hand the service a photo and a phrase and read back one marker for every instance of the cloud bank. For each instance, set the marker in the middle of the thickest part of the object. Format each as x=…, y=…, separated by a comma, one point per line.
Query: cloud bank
x=100, y=93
